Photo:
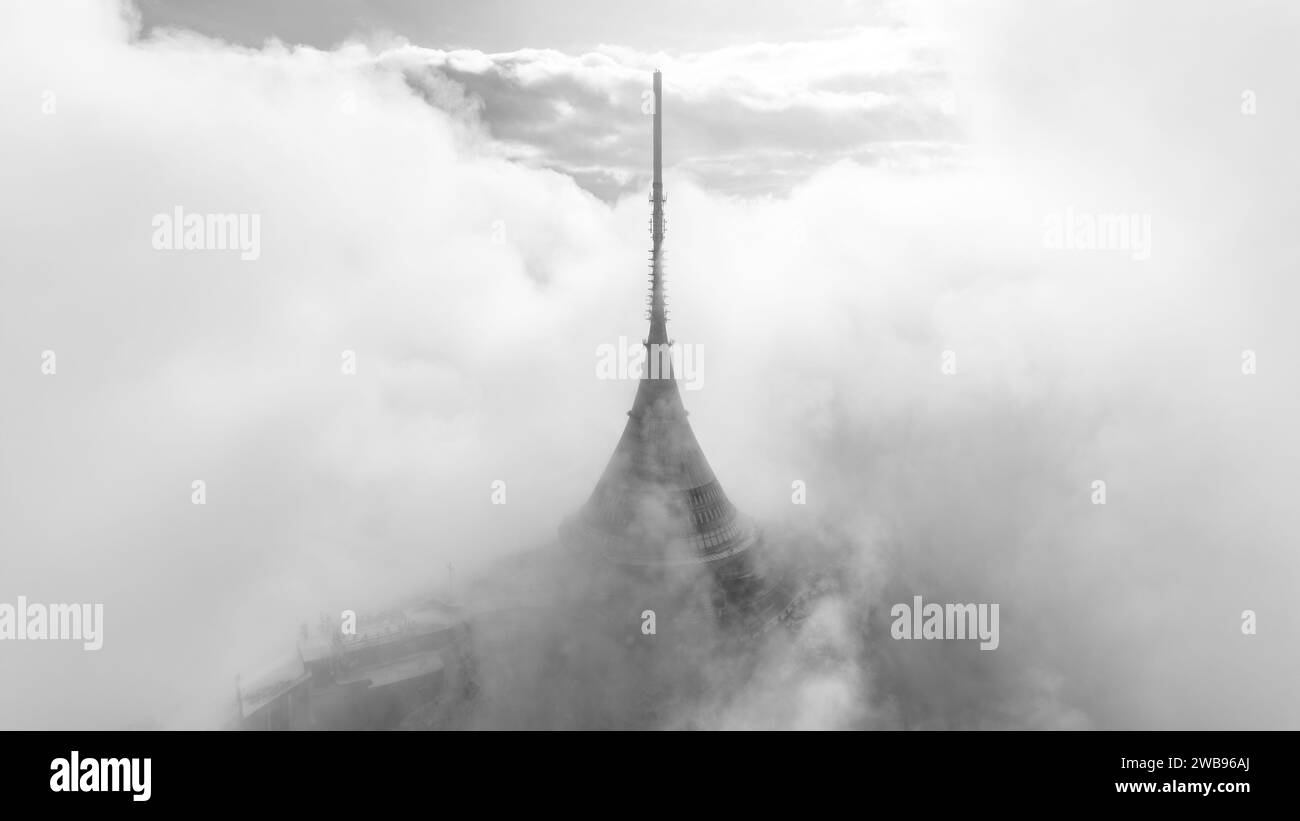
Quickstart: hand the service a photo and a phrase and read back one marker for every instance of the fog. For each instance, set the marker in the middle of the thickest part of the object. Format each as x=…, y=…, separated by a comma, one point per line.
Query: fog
x=475, y=288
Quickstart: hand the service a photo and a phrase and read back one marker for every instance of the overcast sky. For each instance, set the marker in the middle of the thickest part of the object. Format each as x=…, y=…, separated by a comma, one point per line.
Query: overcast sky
x=500, y=26
x=759, y=100
x=456, y=193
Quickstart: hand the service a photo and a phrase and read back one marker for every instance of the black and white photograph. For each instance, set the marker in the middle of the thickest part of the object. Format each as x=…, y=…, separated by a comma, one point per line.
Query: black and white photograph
x=726, y=365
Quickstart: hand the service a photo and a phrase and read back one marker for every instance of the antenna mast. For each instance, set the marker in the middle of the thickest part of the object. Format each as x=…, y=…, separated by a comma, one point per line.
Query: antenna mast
x=658, y=308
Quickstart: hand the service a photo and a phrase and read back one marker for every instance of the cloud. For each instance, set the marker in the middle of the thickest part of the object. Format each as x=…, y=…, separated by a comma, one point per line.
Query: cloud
x=751, y=119
x=475, y=290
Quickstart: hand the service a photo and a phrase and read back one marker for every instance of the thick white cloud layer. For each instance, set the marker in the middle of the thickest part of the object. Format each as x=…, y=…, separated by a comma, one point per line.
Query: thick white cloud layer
x=475, y=290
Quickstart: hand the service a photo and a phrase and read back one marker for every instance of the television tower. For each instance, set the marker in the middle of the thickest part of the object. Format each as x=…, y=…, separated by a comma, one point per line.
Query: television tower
x=658, y=503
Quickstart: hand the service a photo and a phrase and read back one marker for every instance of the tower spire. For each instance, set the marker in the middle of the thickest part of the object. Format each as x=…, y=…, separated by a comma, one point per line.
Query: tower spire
x=658, y=309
